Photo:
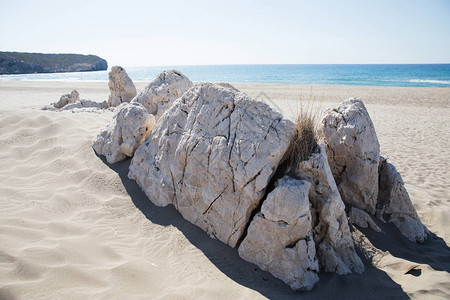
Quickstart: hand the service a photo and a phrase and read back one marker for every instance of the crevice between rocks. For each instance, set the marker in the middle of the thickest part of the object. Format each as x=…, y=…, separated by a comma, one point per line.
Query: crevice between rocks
x=279, y=173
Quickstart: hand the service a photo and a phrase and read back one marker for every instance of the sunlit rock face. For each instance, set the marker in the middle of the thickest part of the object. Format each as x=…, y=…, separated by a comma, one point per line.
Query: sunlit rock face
x=160, y=93
x=212, y=155
x=121, y=87
x=130, y=125
x=353, y=153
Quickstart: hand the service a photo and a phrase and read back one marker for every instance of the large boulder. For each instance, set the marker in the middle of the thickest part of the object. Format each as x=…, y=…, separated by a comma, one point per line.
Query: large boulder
x=212, y=155
x=279, y=238
x=336, y=250
x=121, y=87
x=394, y=201
x=353, y=153
x=129, y=127
x=160, y=94
x=73, y=97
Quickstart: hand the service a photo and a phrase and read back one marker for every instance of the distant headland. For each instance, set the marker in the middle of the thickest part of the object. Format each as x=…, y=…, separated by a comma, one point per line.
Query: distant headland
x=28, y=63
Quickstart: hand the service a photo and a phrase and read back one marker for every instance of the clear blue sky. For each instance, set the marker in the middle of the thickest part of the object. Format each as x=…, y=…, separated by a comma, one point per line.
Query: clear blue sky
x=174, y=32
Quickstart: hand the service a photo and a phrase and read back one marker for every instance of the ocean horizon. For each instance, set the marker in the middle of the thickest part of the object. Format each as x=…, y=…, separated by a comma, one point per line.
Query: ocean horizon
x=396, y=75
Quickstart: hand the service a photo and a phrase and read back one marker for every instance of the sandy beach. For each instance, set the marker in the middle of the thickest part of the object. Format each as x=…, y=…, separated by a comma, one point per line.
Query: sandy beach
x=72, y=226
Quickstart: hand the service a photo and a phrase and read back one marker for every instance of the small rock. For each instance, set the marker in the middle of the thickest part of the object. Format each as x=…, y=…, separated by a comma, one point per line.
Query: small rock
x=74, y=96
x=82, y=104
x=129, y=127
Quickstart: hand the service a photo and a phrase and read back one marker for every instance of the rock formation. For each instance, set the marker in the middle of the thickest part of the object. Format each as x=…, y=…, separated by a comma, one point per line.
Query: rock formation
x=160, y=94
x=336, y=250
x=129, y=127
x=353, y=153
x=73, y=97
x=394, y=201
x=71, y=102
x=279, y=238
x=212, y=155
x=121, y=87
x=366, y=180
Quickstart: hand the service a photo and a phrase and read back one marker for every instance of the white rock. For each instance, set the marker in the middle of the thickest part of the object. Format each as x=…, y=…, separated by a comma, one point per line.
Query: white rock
x=160, y=94
x=212, y=155
x=393, y=200
x=330, y=225
x=129, y=127
x=74, y=96
x=353, y=153
x=362, y=219
x=279, y=238
x=85, y=104
x=121, y=87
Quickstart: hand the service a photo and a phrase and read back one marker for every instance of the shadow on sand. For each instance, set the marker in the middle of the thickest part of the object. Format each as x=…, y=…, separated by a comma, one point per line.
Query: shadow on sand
x=433, y=252
x=372, y=284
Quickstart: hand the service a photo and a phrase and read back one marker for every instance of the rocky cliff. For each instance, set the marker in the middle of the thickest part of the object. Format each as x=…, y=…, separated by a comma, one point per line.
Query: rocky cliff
x=27, y=63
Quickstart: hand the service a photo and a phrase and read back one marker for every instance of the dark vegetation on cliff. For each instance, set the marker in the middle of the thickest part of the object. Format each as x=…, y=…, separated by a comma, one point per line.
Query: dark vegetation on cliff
x=27, y=63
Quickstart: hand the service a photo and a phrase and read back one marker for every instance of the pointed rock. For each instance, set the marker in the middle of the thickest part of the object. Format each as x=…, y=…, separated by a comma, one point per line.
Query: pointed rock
x=353, y=153
x=121, y=87
x=212, y=155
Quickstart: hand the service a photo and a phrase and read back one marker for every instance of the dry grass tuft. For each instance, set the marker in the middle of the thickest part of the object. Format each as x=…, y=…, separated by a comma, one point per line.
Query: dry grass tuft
x=304, y=142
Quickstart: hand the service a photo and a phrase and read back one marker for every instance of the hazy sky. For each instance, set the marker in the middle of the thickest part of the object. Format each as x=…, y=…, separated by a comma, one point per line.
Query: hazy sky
x=173, y=32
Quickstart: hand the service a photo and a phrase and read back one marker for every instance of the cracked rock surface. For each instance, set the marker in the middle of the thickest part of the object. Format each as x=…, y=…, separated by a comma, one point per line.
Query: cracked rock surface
x=160, y=93
x=395, y=202
x=279, y=238
x=365, y=179
x=129, y=127
x=121, y=87
x=353, y=153
x=336, y=250
x=212, y=155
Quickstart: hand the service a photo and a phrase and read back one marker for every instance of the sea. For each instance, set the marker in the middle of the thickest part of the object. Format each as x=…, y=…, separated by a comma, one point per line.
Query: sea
x=407, y=75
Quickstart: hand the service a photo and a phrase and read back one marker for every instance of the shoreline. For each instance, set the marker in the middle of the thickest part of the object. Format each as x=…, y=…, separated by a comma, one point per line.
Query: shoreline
x=429, y=97
x=71, y=80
